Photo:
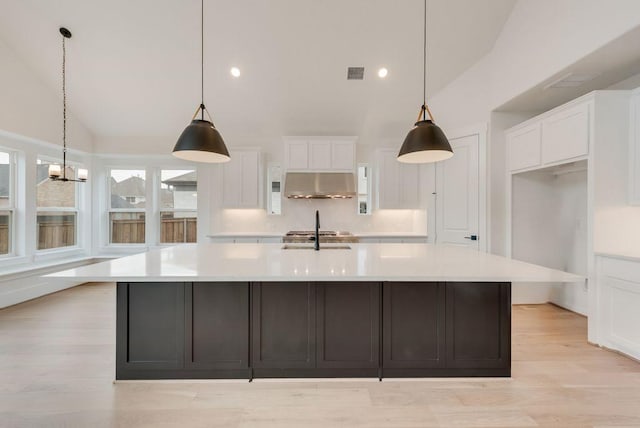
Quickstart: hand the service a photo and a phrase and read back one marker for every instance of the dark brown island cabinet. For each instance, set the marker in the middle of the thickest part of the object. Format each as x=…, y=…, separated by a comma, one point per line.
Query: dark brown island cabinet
x=209, y=330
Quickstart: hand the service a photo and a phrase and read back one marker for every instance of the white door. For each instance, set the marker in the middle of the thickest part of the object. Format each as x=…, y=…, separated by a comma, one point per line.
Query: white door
x=457, y=195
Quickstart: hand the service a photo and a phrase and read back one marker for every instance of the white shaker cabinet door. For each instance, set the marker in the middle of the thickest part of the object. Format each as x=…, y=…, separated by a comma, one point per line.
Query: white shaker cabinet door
x=343, y=155
x=297, y=155
x=388, y=181
x=319, y=155
x=398, y=186
x=241, y=180
x=618, y=282
x=250, y=191
x=231, y=182
x=524, y=147
x=565, y=135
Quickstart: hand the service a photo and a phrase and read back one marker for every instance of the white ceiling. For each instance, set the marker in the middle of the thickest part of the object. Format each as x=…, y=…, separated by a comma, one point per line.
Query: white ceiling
x=134, y=68
x=608, y=65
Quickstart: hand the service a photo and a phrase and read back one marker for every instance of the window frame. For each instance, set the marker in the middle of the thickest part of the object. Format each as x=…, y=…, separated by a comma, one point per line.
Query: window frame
x=158, y=210
x=146, y=210
x=75, y=209
x=11, y=208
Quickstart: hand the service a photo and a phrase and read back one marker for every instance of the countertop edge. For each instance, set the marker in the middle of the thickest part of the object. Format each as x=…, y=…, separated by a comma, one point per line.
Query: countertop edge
x=628, y=257
x=304, y=279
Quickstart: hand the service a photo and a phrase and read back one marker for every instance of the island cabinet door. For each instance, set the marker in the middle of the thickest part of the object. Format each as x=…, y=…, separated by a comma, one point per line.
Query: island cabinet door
x=282, y=327
x=478, y=325
x=150, y=328
x=348, y=318
x=413, y=325
x=217, y=330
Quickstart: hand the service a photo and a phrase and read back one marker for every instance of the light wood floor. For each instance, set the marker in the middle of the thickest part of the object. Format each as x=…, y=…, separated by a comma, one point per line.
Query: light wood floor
x=57, y=368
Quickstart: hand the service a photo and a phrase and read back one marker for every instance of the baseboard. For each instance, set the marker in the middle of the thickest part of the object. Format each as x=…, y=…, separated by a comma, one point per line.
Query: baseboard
x=568, y=309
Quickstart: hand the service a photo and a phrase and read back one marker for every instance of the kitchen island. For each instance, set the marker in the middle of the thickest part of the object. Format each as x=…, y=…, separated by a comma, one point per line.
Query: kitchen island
x=368, y=310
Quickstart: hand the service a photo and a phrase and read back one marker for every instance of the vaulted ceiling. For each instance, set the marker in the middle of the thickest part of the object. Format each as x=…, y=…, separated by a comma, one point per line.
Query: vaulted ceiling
x=134, y=66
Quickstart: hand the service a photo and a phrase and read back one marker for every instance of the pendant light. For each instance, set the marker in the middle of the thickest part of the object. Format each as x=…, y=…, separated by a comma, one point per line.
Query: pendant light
x=425, y=142
x=200, y=141
x=56, y=172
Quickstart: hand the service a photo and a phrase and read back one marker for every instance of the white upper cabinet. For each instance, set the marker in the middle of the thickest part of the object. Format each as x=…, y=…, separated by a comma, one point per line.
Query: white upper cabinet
x=634, y=150
x=397, y=183
x=241, y=180
x=524, y=147
x=557, y=136
x=565, y=134
x=343, y=155
x=320, y=154
x=296, y=154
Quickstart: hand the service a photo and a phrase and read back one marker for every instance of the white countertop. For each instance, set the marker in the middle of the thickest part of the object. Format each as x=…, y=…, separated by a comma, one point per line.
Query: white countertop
x=363, y=262
x=633, y=256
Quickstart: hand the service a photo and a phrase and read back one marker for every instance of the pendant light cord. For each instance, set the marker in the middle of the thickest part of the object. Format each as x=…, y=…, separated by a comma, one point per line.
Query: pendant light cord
x=202, y=57
x=424, y=65
x=64, y=108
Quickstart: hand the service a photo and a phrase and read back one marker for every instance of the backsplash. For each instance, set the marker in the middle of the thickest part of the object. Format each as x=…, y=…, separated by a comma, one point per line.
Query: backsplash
x=334, y=215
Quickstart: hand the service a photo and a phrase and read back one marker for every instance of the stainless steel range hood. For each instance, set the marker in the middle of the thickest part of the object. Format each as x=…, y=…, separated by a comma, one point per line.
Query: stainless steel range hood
x=319, y=185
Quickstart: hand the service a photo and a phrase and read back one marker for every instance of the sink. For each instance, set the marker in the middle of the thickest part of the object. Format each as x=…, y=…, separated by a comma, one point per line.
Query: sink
x=310, y=247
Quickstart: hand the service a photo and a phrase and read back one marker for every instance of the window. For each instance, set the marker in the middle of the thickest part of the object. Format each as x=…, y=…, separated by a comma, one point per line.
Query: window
x=127, y=206
x=6, y=202
x=56, y=201
x=178, y=202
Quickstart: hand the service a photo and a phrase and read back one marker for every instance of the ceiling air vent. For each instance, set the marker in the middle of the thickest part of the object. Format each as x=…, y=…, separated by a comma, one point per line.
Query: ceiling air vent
x=571, y=80
x=355, y=73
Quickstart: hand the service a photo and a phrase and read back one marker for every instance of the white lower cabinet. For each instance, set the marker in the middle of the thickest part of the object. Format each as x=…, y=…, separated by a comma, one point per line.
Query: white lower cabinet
x=393, y=239
x=634, y=150
x=619, y=304
x=245, y=239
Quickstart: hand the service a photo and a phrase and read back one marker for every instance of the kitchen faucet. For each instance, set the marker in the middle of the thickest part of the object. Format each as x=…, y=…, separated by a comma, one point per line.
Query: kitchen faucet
x=316, y=244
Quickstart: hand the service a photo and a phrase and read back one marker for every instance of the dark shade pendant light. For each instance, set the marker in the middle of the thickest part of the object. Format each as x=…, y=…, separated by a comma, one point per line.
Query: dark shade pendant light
x=426, y=142
x=59, y=172
x=200, y=141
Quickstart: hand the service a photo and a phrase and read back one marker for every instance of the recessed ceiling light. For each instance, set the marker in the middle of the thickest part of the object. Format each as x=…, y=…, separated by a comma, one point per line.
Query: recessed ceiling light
x=382, y=73
x=235, y=71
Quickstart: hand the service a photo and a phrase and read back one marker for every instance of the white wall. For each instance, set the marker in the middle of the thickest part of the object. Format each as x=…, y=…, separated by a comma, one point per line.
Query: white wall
x=632, y=82
x=616, y=224
x=32, y=109
x=539, y=39
x=334, y=215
